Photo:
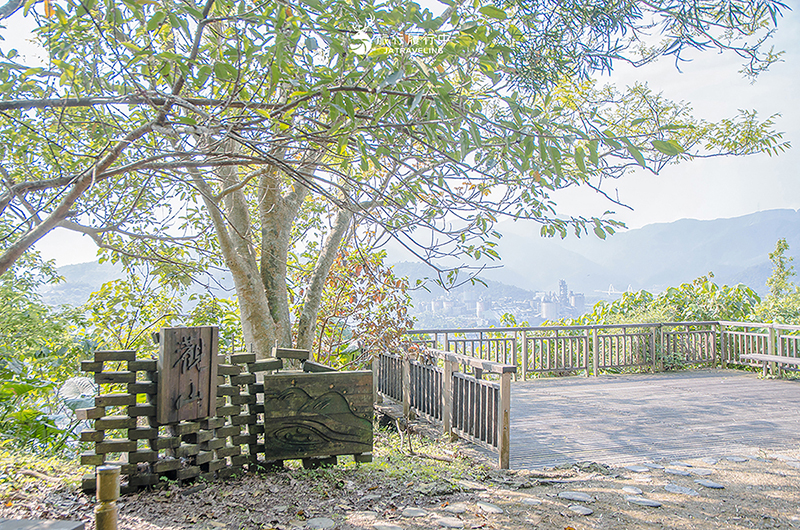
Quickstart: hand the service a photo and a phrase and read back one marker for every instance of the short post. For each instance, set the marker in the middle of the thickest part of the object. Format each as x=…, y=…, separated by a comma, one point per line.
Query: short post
x=105, y=512
x=376, y=364
x=586, y=352
x=504, y=425
x=653, y=351
x=447, y=397
x=714, y=345
x=524, y=355
x=595, y=353
x=771, y=351
x=723, y=340
x=407, y=387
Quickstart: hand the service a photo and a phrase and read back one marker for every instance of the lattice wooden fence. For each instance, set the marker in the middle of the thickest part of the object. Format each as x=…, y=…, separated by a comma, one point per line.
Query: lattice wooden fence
x=127, y=432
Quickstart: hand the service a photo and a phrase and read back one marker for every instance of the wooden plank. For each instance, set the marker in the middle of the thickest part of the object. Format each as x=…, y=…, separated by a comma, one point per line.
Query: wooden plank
x=244, y=379
x=91, y=366
x=771, y=358
x=90, y=414
x=115, y=446
x=311, y=366
x=114, y=355
x=187, y=367
x=141, y=410
x=309, y=415
x=142, y=456
x=145, y=365
x=142, y=434
x=504, y=423
x=243, y=358
x=143, y=388
x=265, y=365
x=114, y=400
x=228, y=369
x=103, y=378
x=289, y=353
x=114, y=422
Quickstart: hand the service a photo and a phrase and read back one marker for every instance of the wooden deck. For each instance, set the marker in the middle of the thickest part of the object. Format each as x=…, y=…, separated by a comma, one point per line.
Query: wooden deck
x=629, y=419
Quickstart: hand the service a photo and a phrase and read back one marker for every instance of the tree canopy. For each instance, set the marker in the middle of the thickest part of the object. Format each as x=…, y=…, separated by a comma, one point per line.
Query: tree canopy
x=236, y=134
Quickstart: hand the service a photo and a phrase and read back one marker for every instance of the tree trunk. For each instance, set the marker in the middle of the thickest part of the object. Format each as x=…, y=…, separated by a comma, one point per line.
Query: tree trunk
x=313, y=298
x=257, y=324
x=277, y=215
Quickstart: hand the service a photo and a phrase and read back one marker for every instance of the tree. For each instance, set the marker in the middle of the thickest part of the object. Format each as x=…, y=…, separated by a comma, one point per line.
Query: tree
x=779, y=282
x=198, y=136
x=39, y=350
x=782, y=306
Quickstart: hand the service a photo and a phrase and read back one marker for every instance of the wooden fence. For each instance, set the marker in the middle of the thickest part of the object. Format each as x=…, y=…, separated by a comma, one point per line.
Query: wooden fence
x=260, y=417
x=591, y=350
x=455, y=389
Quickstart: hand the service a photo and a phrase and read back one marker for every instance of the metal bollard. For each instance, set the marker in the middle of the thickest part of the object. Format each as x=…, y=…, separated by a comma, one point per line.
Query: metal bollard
x=105, y=512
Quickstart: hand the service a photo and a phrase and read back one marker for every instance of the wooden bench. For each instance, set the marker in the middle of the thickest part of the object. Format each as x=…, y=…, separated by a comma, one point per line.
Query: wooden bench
x=762, y=357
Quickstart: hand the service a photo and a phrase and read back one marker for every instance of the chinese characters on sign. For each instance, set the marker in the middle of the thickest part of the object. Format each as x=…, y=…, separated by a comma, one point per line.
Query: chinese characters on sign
x=187, y=365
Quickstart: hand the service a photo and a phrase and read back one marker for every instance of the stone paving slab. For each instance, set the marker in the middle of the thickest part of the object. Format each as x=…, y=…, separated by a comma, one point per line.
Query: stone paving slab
x=39, y=524
x=627, y=419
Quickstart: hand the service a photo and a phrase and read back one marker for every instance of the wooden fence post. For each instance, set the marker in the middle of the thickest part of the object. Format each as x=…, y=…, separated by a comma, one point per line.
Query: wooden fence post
x=586, y=352
x=595, y=352
x=723, y=340
x=376, y=366
x=663, y=350
x=407, y=388
x=107, y=494
x=525, y=355
x=447, y=397
x=714, y=345
x=653, y=351
x=504, y=425
x=771, y=351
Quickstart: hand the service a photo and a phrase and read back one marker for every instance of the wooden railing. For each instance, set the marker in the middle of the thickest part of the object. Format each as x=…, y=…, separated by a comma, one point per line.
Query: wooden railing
x=470, y=396
x=742, y=338
x=562, y=350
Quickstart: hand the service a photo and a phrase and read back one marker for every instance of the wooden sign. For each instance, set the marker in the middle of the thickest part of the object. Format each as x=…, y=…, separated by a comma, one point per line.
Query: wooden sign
x=187, y=373
x=317, y=414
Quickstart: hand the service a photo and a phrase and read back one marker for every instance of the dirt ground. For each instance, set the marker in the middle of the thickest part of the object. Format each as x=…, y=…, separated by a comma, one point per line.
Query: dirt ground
x=446, y=486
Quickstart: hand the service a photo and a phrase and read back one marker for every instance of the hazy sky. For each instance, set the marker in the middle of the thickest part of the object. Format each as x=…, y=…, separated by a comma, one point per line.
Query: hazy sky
x=721, y=187
x=702, y=189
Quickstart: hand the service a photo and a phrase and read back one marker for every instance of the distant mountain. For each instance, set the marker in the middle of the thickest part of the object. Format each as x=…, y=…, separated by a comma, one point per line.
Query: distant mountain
x=430, y=291
x=653, y=257
x=81, y=280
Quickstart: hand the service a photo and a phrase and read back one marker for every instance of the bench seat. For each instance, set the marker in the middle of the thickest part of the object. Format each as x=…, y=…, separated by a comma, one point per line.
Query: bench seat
x=763, y=357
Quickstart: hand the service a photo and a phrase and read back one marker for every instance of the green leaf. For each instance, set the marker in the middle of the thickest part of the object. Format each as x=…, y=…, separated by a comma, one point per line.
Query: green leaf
x=156, y=20
x=599, y=232
x=669, y=148
x=638, y=121
x=202, y=75
x=311, y=44
x=131, y=46
x=416, y=102
x=610, y=141
x=392, y=79
x=224, y=71
x=593, y=157
x=464, y=143
x=579, y=156
x=493, y=12
x=636, y=154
